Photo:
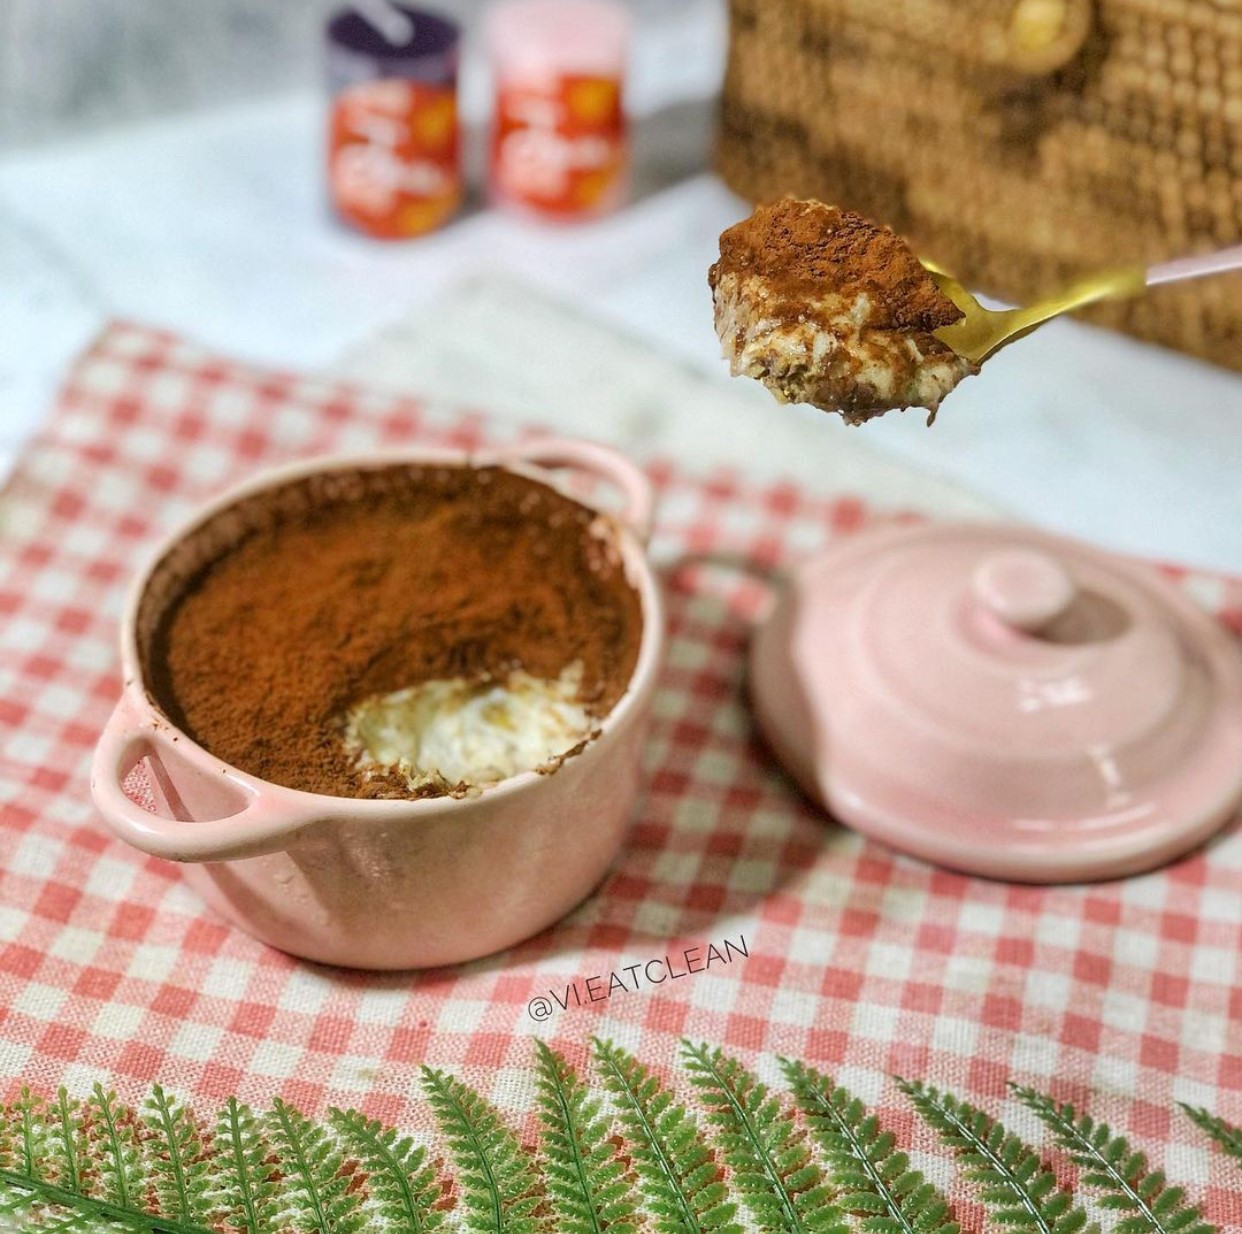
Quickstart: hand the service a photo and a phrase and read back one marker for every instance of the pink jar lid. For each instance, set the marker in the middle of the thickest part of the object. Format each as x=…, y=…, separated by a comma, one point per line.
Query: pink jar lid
x=548, y=38
x=1003, y=701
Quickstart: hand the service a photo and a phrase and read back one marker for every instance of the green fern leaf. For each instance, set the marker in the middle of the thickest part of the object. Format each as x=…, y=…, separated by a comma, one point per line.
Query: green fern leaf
x=23, y=1151
x=116, y=1144
x=178, y=1161
x=1016, y=1188
x=678, y=1175
x=1108, y=1163
x=40, y=1142
x=69, y=1142
x=404, y=1189
x=318, y=1189
x=15, y=1206
x=772, y=1164
x=245, y=1189
x=79, y=1167
x=873, y=1178
x=55, y=1219
x=33, y=1136
x=32, y=1218
x=500, y=1187
x=76, y=1166
x=1225, y=1134
x=8, y=1138
x=587, y=1183
x=31, y=1140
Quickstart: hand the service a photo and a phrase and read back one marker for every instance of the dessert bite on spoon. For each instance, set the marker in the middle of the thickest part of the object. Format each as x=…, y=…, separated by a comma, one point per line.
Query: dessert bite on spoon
x=826, y=307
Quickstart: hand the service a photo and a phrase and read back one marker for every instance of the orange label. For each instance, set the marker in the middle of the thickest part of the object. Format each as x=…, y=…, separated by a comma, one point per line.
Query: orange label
x=560, y=148
x=393, y=159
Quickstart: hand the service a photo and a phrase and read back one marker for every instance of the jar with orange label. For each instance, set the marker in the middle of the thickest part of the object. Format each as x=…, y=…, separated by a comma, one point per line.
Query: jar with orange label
x=560, y=145
x=394, y=161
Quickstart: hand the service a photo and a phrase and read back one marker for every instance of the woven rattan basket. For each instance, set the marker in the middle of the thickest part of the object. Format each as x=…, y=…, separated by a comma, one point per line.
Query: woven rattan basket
x=1018, y=142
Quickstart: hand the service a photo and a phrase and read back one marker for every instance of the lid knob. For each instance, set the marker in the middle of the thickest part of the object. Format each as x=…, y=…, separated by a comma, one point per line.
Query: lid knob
x=1024, y=588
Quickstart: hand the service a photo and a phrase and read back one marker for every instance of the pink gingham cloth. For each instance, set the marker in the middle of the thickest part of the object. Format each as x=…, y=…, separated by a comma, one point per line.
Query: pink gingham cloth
x=1124, y=996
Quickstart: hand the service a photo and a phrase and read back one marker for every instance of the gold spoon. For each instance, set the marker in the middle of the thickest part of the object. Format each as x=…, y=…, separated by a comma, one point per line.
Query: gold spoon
x=982, y=332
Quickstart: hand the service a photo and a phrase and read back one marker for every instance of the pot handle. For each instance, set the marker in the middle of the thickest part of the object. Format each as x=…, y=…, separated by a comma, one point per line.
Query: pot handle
x=639, y=510
x=212, y=814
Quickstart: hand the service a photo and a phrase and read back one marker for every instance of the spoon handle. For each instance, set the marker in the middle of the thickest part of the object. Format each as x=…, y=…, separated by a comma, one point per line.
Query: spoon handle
x=1195, y=267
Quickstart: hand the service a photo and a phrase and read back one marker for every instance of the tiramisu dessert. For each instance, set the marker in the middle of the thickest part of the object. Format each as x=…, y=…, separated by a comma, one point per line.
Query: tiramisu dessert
x=402, y=632
x=825, y=307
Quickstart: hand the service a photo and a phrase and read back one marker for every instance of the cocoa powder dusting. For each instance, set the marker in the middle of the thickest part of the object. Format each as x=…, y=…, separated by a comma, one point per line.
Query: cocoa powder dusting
x=339, y=589
x=806, y=249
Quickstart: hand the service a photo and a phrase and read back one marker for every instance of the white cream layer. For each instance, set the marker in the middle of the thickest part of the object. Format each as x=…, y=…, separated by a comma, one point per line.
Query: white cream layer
x=455, y=732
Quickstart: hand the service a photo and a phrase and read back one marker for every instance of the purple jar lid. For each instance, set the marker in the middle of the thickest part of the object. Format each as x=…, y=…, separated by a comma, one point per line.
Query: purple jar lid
x=358, y=51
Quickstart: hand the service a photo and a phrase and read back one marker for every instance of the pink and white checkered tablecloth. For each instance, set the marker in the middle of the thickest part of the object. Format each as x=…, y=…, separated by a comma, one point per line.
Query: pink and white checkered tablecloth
x=862, y=962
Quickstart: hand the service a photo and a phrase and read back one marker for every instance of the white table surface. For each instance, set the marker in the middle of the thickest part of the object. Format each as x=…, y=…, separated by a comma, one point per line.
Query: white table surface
x=214, y=225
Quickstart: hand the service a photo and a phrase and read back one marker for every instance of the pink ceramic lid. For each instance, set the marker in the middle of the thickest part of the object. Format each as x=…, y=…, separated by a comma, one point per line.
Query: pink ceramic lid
x=1002, y=701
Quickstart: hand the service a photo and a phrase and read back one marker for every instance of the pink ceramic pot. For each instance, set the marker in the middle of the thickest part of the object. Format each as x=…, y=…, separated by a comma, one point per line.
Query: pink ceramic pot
x=386, y=884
